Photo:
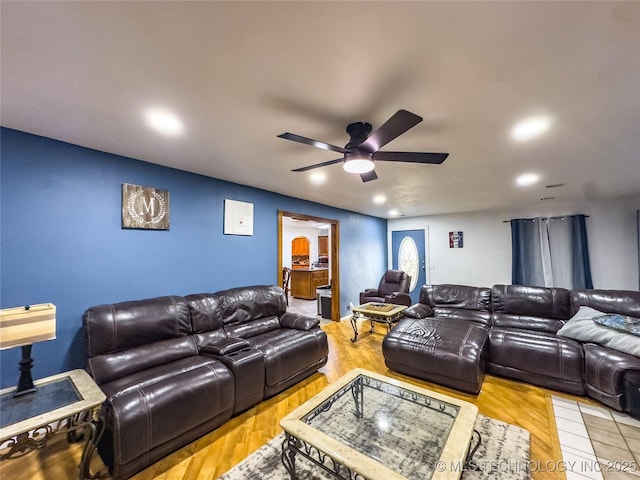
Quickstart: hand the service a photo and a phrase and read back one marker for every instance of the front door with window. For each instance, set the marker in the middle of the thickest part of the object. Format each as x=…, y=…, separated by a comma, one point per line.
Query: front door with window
x=408, y=248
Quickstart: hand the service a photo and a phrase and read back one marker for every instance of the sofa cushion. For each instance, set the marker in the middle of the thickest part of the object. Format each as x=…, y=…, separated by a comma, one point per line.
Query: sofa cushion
x=539, y=358
x=109, y=367
x=450, y=353
x=120, y=326
x=245, y=304
x=298, y=321
x=252, y=328
x=159, y=373
x=419, y=310
x=155, y=414
x=624, y=302
x=581, y=327
x=459, y=302
x=530, y=308
x=457, y=296
x=206, y=315
x=287, y=352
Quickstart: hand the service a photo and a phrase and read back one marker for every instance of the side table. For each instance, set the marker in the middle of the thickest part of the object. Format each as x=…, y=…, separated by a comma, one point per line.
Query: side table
x=387, y=313
x=68, y=403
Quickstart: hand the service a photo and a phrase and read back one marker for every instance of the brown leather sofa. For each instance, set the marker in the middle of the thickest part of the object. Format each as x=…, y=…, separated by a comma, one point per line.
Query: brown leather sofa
x=521, y=325
x=174, y=368
x=393, y=288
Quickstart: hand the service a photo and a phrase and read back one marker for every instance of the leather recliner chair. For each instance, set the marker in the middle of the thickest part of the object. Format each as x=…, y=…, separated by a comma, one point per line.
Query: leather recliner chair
x=393, y=288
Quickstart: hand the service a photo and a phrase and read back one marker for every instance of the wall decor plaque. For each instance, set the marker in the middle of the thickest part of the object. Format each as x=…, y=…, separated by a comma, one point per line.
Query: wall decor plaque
x=145, y=207
x=456, y=239
x=238, y=217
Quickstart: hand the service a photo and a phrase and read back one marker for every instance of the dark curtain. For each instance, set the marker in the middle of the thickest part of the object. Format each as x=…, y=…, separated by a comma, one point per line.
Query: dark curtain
x=533, y=244
x=581, y=273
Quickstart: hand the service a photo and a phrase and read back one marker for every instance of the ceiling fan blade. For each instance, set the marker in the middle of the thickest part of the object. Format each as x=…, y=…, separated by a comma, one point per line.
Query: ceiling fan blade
x=413, y=157
x=308, y=141
x=368, y=176
x=318, y=165
x=400, y=122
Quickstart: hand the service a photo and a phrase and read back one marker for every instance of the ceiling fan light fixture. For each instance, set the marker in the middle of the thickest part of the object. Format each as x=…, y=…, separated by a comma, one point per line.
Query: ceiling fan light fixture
x=357, y=164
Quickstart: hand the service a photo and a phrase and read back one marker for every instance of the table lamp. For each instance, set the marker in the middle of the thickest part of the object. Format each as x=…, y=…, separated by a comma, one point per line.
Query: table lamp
x=22, y=327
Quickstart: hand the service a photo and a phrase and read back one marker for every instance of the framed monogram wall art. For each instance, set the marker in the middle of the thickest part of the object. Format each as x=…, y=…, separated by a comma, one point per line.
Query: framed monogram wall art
x=145, y=207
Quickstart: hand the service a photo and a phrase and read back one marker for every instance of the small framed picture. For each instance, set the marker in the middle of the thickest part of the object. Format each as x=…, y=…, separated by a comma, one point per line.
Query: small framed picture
x=455, y=239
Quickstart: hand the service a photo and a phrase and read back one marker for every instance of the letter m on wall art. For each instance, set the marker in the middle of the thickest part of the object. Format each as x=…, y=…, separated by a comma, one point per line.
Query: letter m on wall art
x=145, y=207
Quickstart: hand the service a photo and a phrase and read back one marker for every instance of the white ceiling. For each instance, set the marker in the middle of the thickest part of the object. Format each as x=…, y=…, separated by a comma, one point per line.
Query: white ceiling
x=240, y=73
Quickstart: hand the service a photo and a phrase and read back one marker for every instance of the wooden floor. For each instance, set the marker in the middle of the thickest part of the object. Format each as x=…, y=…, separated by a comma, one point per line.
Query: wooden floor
x=212, y=455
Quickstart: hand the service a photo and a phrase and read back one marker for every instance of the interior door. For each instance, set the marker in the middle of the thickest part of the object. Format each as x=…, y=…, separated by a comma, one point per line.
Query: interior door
x=408, y=247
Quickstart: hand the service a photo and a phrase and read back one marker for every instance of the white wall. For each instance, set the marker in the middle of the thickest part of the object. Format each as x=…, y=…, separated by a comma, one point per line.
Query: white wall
x=485, y=258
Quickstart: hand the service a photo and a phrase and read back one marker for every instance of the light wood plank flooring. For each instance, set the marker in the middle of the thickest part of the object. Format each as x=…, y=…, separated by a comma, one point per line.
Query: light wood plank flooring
x=212, y=455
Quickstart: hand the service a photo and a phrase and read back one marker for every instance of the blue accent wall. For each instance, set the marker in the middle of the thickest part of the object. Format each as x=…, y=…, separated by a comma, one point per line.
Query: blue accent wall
x=62, y=241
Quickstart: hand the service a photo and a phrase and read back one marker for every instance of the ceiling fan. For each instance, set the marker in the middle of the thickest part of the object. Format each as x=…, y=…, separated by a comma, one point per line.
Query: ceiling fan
x=363, y=147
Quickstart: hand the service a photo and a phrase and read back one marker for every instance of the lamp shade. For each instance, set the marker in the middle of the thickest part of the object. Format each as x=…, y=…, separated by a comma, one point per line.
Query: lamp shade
x=21, y=326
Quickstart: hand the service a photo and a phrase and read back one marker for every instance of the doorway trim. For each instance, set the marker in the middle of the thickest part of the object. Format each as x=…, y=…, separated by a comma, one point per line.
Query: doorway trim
x=334, y=233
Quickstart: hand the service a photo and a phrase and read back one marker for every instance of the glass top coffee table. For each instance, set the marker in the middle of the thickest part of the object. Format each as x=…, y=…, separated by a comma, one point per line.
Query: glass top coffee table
x=373, y=427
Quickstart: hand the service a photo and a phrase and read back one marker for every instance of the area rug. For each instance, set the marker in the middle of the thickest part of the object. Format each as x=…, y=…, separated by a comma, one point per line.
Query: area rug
x=502, y=455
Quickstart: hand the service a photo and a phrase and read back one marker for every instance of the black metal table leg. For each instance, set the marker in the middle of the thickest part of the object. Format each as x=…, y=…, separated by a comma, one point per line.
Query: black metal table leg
x=288, y=455
x=354, y=325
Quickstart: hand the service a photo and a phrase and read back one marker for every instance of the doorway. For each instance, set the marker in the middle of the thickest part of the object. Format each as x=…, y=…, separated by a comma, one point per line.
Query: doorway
x=408, y=250
x=317, y=262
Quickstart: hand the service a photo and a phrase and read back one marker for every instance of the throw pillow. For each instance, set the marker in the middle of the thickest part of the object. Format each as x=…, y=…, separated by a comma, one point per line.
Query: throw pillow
x=622, y=323
x=581, y=327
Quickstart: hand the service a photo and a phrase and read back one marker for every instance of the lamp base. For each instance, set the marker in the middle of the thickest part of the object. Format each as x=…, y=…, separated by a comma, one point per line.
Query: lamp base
x=25, y=383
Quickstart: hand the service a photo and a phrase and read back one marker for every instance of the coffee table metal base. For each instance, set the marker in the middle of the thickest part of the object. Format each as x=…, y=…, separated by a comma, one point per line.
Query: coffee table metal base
x=293, y=446
x=389, y=321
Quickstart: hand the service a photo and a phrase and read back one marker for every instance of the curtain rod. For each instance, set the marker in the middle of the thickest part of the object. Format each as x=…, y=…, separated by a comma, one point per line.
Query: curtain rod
x=549, y=218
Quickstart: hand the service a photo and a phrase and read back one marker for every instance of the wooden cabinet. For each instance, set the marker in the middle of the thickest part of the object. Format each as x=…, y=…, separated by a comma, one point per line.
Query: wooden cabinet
x=323, y=245
x=299, y=246
x=305, y=282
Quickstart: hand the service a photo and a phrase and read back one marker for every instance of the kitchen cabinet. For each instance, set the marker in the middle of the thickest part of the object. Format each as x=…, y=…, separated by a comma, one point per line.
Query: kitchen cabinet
x=305, y=281
x=323, y=245
x=299, y=246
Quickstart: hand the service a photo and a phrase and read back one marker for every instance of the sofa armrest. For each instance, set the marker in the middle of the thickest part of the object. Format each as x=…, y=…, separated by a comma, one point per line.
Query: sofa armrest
x=372, y=292
x=398, y=298
x=298, y=322
x=419, y=310
x=224, y=346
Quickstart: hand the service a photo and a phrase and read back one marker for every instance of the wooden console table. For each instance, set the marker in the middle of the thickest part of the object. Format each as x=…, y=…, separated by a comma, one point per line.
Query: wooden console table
x=68, y=403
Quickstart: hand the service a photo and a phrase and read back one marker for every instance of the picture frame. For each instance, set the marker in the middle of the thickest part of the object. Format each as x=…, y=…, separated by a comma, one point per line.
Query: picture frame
x=238, y=218
x=145, y=208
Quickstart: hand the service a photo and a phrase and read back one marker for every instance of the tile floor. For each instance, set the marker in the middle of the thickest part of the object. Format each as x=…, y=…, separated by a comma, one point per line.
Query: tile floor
x=305, y=307
x=597, y=443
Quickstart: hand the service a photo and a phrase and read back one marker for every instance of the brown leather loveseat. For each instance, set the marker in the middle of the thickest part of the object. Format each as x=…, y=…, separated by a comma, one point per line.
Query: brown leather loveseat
x=520, y=333
x=174, y=368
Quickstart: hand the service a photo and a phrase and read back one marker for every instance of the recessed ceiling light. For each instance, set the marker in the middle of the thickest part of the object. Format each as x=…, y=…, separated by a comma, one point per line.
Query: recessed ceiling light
x=318, y=178
x=163, y=121
x=530, y=128
x=393, y=212
x=527, y=179
x=379, y=199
